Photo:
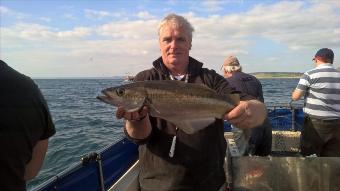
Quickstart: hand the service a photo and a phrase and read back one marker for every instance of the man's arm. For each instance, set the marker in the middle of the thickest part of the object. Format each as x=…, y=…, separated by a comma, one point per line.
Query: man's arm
x=297, y=94
x=38, y=156
x=138, y=129
x=247, y=114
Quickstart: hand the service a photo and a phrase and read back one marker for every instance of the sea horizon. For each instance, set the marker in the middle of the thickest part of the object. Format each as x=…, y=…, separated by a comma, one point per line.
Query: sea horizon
x=257, y=74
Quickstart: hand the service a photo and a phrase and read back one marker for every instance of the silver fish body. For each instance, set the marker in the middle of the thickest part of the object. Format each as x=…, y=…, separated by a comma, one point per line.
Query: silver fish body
x=190, y=107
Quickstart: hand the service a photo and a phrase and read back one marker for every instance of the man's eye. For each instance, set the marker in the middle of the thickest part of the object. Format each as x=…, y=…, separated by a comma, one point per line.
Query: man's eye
x=166, y=40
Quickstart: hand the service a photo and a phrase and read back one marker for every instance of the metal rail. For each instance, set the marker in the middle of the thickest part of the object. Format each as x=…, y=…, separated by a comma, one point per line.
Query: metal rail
x=97, y=158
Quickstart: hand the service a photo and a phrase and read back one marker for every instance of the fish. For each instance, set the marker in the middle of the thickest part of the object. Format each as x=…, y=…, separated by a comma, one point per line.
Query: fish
x=189, y=106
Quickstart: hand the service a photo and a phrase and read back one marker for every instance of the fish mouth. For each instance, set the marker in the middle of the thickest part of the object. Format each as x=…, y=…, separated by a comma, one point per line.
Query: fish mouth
x=106, y=99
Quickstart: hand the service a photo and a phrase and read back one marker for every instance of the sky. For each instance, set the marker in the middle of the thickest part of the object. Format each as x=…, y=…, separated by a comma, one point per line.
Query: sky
x=102, y=38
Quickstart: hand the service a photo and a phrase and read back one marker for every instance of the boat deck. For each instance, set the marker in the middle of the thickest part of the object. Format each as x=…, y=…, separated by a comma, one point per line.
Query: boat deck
x=283, y=142
x=285, y=169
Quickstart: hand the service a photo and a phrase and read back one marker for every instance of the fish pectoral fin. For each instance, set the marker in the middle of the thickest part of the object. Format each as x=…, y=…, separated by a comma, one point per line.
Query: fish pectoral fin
x=194, y=125
x=138, y=107
x=154, y=112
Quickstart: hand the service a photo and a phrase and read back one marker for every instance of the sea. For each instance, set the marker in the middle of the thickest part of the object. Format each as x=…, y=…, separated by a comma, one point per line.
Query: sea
x=85, y=125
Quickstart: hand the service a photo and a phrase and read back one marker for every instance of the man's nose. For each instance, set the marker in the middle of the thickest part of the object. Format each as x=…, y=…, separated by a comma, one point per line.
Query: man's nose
x=173, y=44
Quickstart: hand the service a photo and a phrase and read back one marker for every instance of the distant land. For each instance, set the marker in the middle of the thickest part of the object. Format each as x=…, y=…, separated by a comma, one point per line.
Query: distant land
x=277, y=74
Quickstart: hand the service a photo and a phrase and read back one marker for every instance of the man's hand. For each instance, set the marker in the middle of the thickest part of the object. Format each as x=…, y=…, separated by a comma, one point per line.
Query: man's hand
x=132, y=116
x=137, y=123
x=297, y=94
x=247, y=114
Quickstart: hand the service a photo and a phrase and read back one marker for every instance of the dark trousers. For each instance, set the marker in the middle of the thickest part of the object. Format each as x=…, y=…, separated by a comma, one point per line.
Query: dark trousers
x=260, y=142
x=320, y=137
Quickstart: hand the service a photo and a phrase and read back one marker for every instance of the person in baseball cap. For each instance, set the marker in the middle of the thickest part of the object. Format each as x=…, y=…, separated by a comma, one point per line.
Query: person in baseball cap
x=325, y=55
x=231, y=64
x=318, y=87
x=260, y=142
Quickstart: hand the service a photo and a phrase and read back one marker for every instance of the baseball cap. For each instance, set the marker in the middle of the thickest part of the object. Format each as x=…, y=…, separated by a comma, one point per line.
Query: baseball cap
x=325, y=55
x=231, y=61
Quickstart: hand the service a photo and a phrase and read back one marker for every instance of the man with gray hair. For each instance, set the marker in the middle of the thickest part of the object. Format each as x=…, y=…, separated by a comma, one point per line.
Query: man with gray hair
x=196, y=160
x=260, y=142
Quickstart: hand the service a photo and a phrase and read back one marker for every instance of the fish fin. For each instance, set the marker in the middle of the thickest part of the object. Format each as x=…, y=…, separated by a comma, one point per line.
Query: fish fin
x=235, y=98
x=232, y=98
x=194, y=125
x=153, y=110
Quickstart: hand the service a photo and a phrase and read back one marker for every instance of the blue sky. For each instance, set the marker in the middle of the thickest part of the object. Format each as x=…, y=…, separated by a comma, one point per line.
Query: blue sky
x=108, y=38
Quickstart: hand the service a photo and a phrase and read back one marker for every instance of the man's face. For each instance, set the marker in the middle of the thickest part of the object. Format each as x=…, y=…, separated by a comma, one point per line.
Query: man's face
x=175, y=46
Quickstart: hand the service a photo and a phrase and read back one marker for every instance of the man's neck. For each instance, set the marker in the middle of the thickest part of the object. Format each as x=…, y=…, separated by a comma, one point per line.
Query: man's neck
x=319, y=63
x=178, y=71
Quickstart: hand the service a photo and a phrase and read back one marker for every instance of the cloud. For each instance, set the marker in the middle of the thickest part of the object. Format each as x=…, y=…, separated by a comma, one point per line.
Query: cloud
x=92, y=14
x=78, y=32
x=145, y=15
x=45, y=19
x=129, y=45
x=11, y=13
x=294, y=24
x=100, y=14
x=71, y=50
x=288, y=23
x=69, y=16
x=30, y=31
x=4, y=10
x=36, y=36
x=130, y=30
x=213, y=5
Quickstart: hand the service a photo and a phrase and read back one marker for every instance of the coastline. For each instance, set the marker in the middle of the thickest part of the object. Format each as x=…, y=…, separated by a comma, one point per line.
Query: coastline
x=276, y=77
x=279, y=75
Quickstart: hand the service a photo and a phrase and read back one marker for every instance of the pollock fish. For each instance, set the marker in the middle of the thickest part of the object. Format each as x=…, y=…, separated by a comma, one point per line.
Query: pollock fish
x=191, y=107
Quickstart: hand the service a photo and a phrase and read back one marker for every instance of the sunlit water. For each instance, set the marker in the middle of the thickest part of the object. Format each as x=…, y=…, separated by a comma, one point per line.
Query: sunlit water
x=85, y=125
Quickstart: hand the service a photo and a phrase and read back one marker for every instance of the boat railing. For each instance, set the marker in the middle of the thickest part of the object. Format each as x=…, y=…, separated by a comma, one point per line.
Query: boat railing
x=285, y=115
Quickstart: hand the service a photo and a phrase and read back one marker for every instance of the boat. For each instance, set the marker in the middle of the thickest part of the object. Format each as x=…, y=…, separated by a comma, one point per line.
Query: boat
x=128, y=78
x=115, y=168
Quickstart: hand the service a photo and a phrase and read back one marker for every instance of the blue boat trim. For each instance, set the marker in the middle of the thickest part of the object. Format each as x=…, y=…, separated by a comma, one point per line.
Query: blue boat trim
x=115, y=159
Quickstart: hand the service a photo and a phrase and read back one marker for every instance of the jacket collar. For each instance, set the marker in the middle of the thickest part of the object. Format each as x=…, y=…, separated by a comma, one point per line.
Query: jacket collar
x=2, y=64
x=193, y=69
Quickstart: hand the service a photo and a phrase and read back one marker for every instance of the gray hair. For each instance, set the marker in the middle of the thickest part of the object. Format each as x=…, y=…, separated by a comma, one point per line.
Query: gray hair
x=231, y=69
x=177, y=22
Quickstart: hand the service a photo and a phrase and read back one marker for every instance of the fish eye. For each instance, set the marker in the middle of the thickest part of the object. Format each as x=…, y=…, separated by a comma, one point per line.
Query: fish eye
x=120, y=91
